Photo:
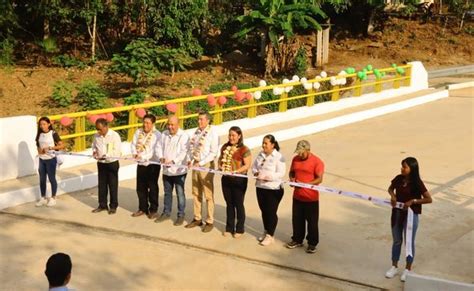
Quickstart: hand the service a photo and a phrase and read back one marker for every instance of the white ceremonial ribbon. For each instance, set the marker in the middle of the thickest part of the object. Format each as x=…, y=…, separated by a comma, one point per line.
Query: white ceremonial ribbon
x=375, y=200
x=409, y=234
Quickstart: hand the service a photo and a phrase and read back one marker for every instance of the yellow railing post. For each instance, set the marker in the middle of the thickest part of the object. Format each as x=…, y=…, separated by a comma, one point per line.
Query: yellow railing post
x=132, y=119
x=358, y=88
x=283, y=102
x=80, y=141
x=335, y=93
x=378, y=85
x=252, y=111
x=396, y=82
x=407, y=81
x=310, y=99
x=180, y=114
x=218, y=114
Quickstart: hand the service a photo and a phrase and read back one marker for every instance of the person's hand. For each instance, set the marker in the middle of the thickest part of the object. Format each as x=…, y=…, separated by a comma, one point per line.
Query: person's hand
x=256, y=174
x=408, y=204
x=43, y=151
x=393, y=200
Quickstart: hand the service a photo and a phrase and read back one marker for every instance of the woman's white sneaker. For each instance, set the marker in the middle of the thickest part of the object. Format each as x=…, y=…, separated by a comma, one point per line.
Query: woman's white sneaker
x=403, y=277
x=391, y=272
x=268, y=240
x=41, y=202
x=262, y=237
x=51, y=202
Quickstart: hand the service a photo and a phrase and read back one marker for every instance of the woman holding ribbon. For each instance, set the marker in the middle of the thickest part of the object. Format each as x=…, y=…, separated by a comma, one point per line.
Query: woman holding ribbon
x=235, y=158
x=47, y=140
x=269, y=168
x=407, y=188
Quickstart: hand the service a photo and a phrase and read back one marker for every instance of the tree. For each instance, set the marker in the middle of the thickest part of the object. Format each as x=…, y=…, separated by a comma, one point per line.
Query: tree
x=276, y=22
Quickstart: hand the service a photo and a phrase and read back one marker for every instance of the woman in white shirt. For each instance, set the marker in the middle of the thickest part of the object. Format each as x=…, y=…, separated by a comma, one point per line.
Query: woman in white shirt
x=269, y=167
x=47, y=140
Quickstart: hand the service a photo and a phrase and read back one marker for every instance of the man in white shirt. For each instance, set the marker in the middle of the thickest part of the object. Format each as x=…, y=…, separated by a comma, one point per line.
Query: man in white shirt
x=105, y=149
x=58, y=272
x=174, y=147
x=203, y=149
x=143, y=147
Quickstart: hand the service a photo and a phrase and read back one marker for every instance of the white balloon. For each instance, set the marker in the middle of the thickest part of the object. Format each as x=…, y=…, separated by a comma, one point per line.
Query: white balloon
x=278, y=90
x=343, y=81
x=318, y=78
x=262, y=83
x=303, y=80
x=308, y=86
x=342, y=73
x=257, y=95
x=288, y=89
x=295, y=78
x=316, y=85
x=286, y=81
x=324, y=74
x=333, y=81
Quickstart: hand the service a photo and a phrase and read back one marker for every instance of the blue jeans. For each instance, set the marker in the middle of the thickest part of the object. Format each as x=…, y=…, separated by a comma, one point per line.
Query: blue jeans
x=178, y=183
x=399, y=231
x=48, y=168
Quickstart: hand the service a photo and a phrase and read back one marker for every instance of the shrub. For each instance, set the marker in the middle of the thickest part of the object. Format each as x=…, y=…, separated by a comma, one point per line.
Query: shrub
x=301, y=64
x=143, y=59
x=6, y=52
x=62, y=93
x=136, y=97
x=90, y=95
x=67, y=61
x=49, y=45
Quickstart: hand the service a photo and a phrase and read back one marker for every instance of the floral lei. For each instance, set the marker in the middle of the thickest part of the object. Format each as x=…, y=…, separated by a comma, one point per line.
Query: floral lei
x=144, y=140
x=196, y=151
x=226, y=159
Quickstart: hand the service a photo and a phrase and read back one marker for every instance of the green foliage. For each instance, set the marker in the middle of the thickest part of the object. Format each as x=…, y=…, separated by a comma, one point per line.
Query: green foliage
x=137, y=97
x=49, y=45
x=177, y=23
x=297, y=91
x=62, y=93
x=277, y=18
x=7, y=47
x=90, y=95
x=301, y=64
x=67, y=61
x=143, y=59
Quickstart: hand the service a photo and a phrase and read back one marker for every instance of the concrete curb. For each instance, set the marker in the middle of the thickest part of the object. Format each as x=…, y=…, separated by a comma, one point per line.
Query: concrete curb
x=460, y=85
x=417, y=282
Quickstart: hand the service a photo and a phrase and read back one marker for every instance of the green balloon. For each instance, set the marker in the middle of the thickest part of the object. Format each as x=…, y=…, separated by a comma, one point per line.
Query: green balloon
x=348, y=70
x=364, y=70
x=369, y=67
x=377, y=74
x=383, y=74
x=401, y=71
x=364, y=78
x=360, y=75
x=353, y=70
x=394, y=65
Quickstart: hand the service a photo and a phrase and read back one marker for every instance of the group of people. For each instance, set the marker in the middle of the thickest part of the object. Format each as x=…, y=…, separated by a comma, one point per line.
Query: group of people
x=175, y=153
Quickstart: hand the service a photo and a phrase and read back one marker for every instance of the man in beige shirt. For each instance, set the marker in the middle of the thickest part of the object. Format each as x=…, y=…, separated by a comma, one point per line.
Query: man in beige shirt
x=203, y=149
x=106, y=147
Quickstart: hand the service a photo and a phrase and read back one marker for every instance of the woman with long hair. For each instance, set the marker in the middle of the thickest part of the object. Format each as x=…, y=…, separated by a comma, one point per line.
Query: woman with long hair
x=235, y=158
x=47, y=140
x=407, y=188
x=269, y=168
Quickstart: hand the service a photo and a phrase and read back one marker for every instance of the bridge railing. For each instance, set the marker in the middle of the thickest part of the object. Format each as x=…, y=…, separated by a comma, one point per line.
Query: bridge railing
x=393, y=78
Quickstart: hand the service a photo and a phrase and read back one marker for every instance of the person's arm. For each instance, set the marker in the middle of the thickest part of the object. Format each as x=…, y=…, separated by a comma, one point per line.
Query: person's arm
x=280, y=170
x=133, y=145
x=246, y=163
x=213, y=150
x=318, y=179
x=393, y=196
x=426, y=197
x=58, y=143
x=255, y=166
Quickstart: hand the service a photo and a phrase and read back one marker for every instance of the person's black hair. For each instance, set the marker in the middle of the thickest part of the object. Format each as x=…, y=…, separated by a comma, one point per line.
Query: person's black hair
x=151, y=117
x=101, y=121
x=208, y=115
x=237, y=129
x=58, y=268
x=39, y=131
x=414, y=176
x=273, y=141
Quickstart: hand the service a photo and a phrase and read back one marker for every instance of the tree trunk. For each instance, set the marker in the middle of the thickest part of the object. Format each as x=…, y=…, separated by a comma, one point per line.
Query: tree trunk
x=93, y=36
x=46, y=28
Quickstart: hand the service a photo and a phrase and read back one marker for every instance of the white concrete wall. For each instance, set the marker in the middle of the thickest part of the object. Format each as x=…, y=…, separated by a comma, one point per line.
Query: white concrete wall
x=17, y=146
x=417, y=282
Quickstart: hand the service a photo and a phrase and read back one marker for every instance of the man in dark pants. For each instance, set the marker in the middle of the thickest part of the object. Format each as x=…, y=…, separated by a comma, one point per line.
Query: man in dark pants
x=305, y=168
x=106, y=148
x=143, y=149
